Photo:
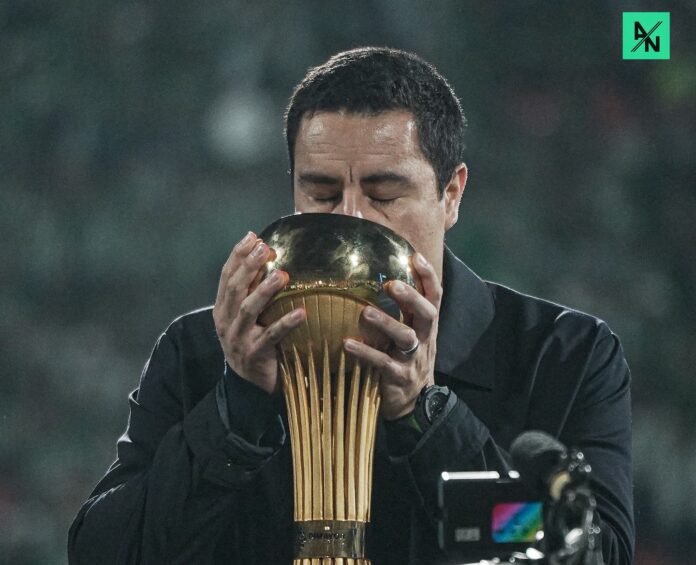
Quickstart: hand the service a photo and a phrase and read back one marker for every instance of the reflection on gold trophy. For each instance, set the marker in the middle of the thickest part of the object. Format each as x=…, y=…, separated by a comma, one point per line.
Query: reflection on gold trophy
x=337, y=266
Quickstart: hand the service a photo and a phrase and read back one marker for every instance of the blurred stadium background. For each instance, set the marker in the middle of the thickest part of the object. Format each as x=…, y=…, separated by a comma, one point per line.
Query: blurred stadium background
x=140, y=140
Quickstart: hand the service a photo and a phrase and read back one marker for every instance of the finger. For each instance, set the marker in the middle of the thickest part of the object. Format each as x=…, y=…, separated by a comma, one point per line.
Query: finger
x=432, y=288
x=239, y=283
x=386, y=366
x=411, y=301
x=239, y=251
x=255, y=303
x=259, y=275
x=404, y=337
x=275, y=333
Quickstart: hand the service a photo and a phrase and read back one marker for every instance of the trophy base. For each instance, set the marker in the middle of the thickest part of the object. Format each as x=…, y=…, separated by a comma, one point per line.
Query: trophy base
x=330, y=541
x=331, y=561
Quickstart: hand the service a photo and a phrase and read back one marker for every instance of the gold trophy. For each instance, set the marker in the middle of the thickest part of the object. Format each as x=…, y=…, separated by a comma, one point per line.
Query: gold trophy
x=337, y=265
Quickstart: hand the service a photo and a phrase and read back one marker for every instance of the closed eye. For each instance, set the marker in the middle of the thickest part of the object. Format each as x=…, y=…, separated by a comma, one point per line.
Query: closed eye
x=382, y=201
x=376, y=201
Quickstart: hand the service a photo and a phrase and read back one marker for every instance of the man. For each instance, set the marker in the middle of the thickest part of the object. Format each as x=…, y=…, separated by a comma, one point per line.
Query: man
x=203, y=473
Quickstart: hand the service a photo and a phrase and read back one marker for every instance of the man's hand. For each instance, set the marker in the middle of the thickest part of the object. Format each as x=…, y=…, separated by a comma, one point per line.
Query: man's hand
x=403, y=377
x=250, y=349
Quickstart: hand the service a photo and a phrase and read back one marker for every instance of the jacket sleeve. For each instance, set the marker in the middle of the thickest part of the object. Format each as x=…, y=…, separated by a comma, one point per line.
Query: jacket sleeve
x=166, y=497
x=596, y=418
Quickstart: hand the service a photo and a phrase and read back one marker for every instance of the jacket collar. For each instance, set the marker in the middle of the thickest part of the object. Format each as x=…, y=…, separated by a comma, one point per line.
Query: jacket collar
x=465, y=342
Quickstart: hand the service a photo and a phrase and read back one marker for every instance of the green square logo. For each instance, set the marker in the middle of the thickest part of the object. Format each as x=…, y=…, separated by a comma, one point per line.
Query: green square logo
x=646, y=35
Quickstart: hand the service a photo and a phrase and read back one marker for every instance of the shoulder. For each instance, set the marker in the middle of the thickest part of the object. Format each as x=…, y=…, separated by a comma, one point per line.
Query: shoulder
x=567, y=360
x=560, y=344
x=533, y=316
x=194, y=325
x=200, y=360
x=554, y=343
x=194, y=336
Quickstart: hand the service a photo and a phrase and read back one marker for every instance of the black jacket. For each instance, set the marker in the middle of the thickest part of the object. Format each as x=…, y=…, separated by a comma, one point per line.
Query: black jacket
x=189, y=487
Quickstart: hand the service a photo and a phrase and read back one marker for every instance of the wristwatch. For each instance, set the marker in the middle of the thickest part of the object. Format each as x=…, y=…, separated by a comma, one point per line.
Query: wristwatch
x=430, y=404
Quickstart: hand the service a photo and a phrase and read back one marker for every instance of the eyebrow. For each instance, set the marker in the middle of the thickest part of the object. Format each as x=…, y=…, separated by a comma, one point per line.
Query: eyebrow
x=387, y=176
x=317, y=178
x=375, y=178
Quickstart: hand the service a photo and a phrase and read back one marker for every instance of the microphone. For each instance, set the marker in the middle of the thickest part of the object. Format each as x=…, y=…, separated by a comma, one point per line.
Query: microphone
x=544, y=464
x=562, y=478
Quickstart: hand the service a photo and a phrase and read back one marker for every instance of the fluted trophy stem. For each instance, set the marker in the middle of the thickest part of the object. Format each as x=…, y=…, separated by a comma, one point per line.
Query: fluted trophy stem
x=332, y=436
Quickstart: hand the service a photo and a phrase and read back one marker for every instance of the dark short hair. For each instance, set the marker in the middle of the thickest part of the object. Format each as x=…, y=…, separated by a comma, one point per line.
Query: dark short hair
x=371, y=80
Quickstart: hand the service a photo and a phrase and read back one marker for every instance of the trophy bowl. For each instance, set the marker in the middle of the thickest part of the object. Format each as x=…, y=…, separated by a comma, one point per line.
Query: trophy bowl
x=337, y=265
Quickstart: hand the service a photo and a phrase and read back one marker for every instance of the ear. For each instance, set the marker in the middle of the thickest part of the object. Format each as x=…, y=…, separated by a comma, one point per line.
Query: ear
x=453, y=195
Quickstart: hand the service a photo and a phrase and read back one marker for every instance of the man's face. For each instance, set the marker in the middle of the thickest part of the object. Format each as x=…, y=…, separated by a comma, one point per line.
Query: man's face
x=372, y=167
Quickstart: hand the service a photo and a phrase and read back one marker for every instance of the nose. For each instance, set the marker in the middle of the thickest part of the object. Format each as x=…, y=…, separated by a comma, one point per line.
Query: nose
x=351, y=204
